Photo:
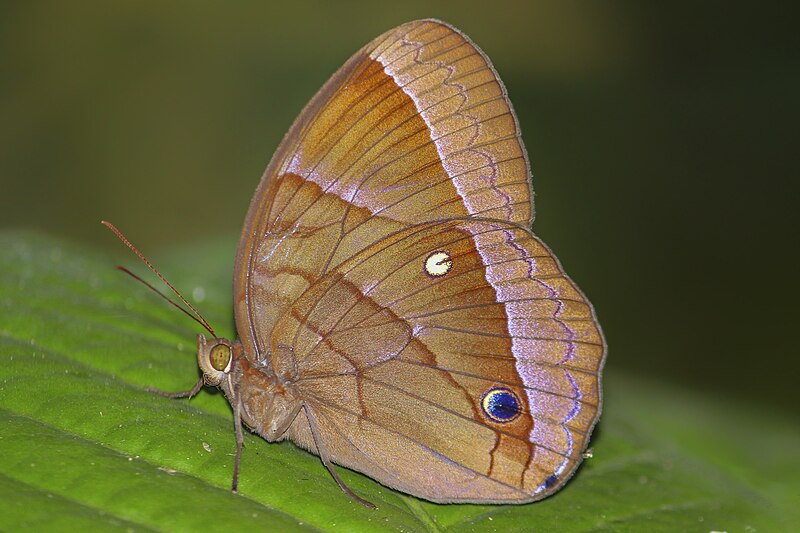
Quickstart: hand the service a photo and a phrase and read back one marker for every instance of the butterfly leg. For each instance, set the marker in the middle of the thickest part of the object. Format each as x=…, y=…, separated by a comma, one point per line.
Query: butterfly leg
x=237, y=424
x=183, y=394
x=327, y=462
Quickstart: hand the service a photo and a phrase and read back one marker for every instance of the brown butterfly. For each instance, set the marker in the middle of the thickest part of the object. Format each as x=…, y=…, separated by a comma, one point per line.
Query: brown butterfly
x=396, y=315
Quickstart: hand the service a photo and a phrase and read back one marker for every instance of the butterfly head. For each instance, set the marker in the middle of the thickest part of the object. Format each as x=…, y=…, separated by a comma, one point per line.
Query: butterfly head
x=216, y=357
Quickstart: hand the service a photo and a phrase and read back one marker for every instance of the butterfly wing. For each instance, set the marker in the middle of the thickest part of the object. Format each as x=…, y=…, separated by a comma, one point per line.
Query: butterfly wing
x=453, y=360
x=415, y=127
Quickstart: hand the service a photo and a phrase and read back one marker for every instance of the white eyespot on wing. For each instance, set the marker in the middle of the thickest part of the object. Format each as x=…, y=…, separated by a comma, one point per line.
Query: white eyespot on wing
x=438, y=264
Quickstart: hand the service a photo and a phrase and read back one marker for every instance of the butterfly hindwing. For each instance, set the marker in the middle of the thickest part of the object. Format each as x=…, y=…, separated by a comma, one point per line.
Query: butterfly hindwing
x=397, y=348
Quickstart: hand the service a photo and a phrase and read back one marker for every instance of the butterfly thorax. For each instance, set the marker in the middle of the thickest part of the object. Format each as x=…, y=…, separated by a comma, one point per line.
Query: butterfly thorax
x=268, y=406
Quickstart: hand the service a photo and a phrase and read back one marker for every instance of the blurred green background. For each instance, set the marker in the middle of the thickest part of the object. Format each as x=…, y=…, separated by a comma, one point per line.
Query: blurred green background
x=659, y=135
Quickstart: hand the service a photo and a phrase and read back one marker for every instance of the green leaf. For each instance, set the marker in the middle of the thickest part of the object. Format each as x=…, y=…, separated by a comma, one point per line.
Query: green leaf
x=85, y=446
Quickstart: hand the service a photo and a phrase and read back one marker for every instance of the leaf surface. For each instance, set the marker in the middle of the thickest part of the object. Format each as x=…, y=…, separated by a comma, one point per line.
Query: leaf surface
x=85, y=446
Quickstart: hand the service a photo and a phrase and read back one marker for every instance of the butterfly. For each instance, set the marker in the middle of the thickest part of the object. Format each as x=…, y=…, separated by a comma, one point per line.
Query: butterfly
x=395, y=313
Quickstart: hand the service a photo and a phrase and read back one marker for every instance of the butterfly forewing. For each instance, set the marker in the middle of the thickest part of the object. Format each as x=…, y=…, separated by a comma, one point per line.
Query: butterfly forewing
x=416, y=126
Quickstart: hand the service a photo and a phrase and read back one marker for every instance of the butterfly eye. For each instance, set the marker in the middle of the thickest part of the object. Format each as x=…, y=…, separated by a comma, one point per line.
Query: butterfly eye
x=220, y=357
x=438, y=264
x=500, y=405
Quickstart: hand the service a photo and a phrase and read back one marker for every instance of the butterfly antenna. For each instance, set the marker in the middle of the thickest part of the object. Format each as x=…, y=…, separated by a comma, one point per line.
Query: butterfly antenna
x=197, y=316
x=164, y=296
